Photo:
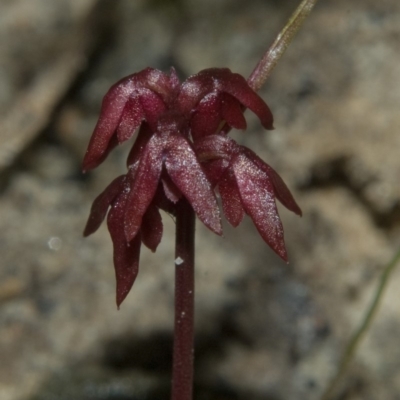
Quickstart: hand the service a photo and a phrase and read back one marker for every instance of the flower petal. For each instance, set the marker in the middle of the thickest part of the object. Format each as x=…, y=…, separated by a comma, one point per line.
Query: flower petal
x=282, y=192
x=144, y=186
x=223, y=80
x=231, y=200
x=153, y=106
x=237, y=87
x=157, y=81
x=112, y=144
x=126, y=255
x=258, y=199
x=215, y=147
x=187, y=174
x=170, y=190
x=162, y=202
x=101, y=203
x=152, y=86
x=207, y=116
x=152, y=228
x=232, y=112
x=192, y=91
x=110, y=114
x=131, y=119
x=214, y=170
x=144, y=135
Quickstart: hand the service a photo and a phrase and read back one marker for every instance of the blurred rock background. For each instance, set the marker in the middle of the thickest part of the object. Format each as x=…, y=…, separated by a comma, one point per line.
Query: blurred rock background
x=265, y=330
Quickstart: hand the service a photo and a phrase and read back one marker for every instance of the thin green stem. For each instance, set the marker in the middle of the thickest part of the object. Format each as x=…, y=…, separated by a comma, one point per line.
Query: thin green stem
x=264, y=68
x=363, y=328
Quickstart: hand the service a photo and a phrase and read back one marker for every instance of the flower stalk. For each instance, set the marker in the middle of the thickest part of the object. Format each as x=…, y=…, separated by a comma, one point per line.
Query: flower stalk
x=183, y=352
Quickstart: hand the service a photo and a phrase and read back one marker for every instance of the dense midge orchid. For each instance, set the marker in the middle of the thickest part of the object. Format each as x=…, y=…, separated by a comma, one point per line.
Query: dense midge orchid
x=181, y=149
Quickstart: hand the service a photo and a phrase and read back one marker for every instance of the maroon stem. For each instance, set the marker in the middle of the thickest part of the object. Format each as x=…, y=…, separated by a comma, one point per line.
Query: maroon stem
x=182, y=375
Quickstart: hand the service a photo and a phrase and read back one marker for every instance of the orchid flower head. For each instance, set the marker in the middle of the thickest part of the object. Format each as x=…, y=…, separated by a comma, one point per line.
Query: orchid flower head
x=181, y=150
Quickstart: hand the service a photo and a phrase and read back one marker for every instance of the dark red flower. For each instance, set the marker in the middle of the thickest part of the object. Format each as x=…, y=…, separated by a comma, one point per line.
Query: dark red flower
x=169, y=150
x=126, y=253
x=181, y=149
x=247, y=185
x=139, y=97
x=215, y=95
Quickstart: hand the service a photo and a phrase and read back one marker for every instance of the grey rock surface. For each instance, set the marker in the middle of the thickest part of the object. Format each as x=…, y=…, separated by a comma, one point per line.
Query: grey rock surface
x=265, y=330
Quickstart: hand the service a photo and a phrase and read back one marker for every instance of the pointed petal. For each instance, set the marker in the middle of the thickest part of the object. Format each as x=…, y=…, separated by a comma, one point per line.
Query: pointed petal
x=153, y=106
x=143, y=137
x=112, y=144
x=237, y=87
x=231, y=200
x=110, y=114
x=126, y=255
x=282, y=192
x=157, y=81
x=162, y=202
x=192, y=91
x=258, y=199
x=144, y=185
x=214, y=170
x=223, y=80
x=207, y=117
x=152, y=228
x=101, y=203
x=232, y=112
x=215, y=147
x=131, y=119
x=171, y=191
x=154, y=89
x=187, y=174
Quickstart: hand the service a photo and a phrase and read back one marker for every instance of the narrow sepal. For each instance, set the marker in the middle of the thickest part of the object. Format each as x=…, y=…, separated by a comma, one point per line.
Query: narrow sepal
x=157, y=81
x=214, y=170
x=214, y=147
x=223, y=80
x=144, y=135
x=131, y=119
x=152, y=228
x=162, y=202
x=232, y=112
x=101, y=204
x=153, y=106
x=110, y=114
x=191, y=92
x=145, y=92
x=258, y=199
x=231, y=200
x=171, y=191
x=126, y=255
x=144, y=185
x=236, y=86
x=185, y=171
x=207, y=117
x=282, y=192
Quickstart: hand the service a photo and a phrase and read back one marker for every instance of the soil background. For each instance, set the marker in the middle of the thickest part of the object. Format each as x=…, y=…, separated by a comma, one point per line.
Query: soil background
x=264, y=329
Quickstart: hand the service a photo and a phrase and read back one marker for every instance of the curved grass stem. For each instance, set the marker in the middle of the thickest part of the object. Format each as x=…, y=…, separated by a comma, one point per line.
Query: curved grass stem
x=366, y=322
